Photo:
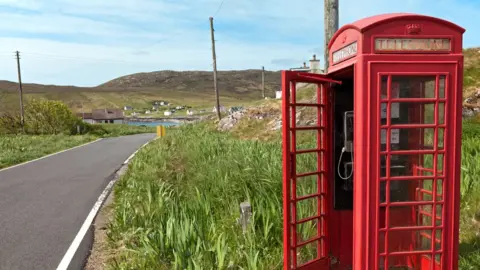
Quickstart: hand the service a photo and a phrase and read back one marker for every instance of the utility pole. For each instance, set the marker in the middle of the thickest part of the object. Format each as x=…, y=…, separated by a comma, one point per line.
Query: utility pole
x=263, y=82
x=215, y=69
x=331, y=25
x=22, y=117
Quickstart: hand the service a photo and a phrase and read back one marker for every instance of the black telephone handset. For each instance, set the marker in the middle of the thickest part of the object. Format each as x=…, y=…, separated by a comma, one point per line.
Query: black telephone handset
x=348, y=147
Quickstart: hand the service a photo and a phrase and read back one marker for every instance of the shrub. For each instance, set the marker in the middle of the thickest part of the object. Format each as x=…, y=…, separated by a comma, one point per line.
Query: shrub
x=50, y=117
x=10, y=123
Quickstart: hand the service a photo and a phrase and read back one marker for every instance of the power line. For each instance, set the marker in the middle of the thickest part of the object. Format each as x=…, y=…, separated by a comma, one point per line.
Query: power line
x=40, y=55
x=219, y=7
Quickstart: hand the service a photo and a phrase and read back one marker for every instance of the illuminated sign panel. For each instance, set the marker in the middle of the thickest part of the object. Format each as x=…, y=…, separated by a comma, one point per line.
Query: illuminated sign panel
x=413, y=44
x=344, y=53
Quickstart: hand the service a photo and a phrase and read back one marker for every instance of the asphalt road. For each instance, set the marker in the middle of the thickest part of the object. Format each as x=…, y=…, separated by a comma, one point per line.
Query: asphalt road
x=43, y=204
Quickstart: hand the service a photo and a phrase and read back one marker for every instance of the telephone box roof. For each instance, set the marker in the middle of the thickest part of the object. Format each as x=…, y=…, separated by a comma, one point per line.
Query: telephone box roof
x=369, y=22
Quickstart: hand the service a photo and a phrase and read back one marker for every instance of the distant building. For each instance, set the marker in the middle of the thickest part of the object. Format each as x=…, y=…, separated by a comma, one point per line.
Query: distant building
x=86, y=117
x=313, y=68
x=304, y=68
x=222, y=109
x=127, y=108
x=278, y=94
x=315, y=65
x=112, y=116
x=167, y=113
x=189, y=112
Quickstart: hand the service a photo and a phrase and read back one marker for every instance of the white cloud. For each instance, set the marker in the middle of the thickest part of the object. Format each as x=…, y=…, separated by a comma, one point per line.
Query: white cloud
x=148, y=35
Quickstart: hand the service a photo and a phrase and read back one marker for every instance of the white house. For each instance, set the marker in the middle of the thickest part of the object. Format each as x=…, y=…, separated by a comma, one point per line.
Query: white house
x=167, y=113
x=222, y=109
x=127, y=108
x=147, y=112
x=189, y=112
x=278, y=94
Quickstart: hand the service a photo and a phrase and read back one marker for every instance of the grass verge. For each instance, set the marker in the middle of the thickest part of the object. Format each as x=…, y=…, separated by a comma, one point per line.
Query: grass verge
x=21, y=148
x=16, y=149
x=177, y=206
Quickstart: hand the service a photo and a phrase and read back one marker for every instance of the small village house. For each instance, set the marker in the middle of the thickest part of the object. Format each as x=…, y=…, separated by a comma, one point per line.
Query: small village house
x=167, y=113
x=222, y=109
x=189, y=112
x=86, y=117
x=278, y=94
x=112, y=116
x=127, y=108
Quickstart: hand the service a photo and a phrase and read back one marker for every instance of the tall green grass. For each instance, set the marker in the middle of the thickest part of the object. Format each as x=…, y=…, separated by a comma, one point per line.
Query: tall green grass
x=178, y=204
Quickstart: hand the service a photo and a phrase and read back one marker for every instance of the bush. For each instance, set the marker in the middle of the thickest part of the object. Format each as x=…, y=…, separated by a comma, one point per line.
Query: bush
x=43, y=117
x=50, y=117
x=10, y=123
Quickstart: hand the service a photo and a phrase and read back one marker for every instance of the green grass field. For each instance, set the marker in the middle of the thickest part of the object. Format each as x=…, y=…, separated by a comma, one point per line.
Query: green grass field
x=176, y=208
x=20, y=148
x=16, y=149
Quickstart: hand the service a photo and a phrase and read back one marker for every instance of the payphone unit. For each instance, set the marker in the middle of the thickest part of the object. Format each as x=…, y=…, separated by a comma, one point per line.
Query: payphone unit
x=388, y=121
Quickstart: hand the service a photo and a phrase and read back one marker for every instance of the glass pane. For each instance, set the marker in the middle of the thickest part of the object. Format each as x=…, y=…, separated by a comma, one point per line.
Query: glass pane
x=407, y=190
x=438, y=239
x=411, y=165
x=441, y=138
x=307, y=185
x=307, y=139
x=441, y=87
x=413, y=86
x=307, y=208
x=384, y=87
x=307, y=253
x=419, y=240
x=408, y=139
x=413, y=216
x=307, y=230
x=306, y=163
x=408, y=113
x=441, y=113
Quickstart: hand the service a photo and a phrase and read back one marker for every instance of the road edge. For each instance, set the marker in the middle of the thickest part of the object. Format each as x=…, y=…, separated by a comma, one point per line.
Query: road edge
x=49, y=155
x=96, y=209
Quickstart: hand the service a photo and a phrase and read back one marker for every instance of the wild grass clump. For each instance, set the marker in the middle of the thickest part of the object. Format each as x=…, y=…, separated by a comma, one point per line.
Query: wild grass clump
x=177, y=207
x=178, y=204
x=16, y=149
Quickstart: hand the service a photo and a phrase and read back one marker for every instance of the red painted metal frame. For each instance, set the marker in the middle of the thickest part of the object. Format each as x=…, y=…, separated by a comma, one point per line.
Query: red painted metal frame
x=290, y=176
x=449, y=175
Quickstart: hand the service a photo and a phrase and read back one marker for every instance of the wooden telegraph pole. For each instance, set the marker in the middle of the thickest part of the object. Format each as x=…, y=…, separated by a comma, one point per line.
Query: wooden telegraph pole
x=331, y=25
x=22, y=117
x=263, y=82
x=215, y=69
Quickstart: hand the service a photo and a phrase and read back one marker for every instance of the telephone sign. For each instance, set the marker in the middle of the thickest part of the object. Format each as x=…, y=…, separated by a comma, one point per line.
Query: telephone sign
x=384, y=160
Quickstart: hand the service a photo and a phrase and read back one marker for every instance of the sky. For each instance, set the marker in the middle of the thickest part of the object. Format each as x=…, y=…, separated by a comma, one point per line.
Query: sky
x=88, y=42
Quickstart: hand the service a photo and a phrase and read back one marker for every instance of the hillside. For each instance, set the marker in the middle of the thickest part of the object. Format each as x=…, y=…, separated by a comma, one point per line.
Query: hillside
x=139, y=90
x=471, y=77
x=235, y=83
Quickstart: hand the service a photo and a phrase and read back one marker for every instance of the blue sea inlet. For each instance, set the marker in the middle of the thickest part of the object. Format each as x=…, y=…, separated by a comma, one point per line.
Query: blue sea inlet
x=154, y=124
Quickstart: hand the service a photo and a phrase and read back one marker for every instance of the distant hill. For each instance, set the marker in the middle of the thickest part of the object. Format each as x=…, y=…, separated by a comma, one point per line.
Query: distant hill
x=140, y=89
x=230, y=83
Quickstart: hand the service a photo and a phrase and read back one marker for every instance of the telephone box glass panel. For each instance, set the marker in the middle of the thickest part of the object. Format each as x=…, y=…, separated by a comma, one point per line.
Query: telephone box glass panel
x=412, y=119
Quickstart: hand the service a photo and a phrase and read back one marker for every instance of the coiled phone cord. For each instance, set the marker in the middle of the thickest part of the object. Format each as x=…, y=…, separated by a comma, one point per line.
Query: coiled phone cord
x=340, y=161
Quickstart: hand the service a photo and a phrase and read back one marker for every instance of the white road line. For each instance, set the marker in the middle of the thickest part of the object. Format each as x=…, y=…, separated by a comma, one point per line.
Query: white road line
x=67, y=258
x=49, y=155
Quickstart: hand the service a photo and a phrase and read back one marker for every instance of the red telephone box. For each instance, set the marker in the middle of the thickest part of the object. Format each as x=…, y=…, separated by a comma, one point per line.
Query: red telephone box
x=393, y=78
